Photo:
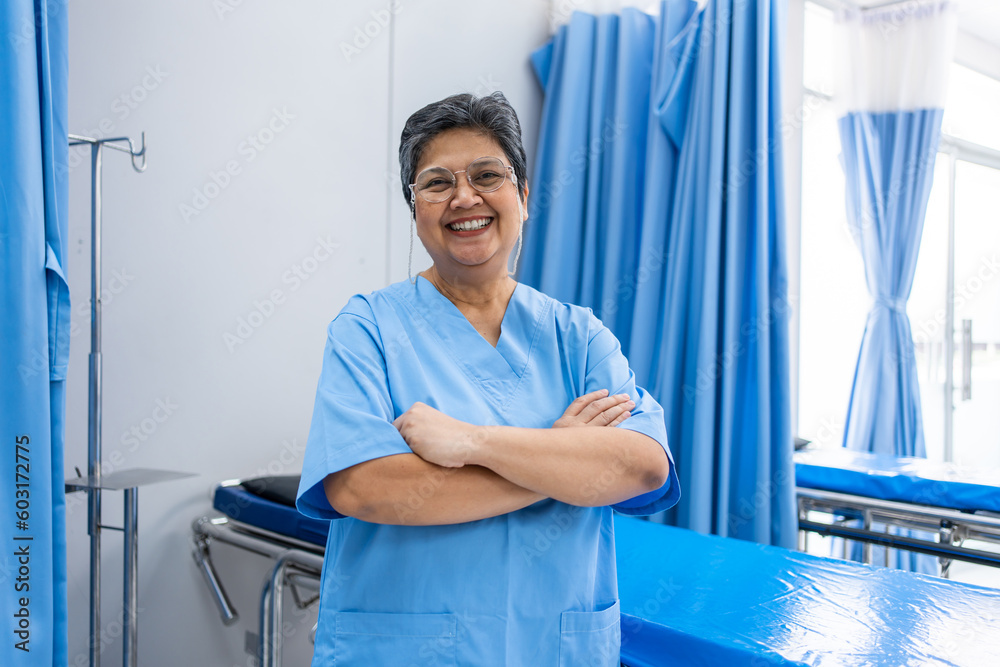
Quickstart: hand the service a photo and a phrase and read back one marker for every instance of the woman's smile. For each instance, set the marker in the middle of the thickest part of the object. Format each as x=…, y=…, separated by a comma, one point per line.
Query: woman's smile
x=469, y=226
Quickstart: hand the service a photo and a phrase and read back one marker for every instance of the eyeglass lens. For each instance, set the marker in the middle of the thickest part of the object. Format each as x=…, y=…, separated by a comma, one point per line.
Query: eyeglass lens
x=437, y=184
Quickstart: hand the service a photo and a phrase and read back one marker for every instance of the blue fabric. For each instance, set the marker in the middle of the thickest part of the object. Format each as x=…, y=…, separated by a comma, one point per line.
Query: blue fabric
x=889, y=167
x=522, y=588
x=34, y=330
x=657, y=201
x=888, y=161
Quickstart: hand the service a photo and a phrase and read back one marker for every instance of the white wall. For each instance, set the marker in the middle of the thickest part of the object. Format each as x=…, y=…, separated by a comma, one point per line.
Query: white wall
x=200, y=80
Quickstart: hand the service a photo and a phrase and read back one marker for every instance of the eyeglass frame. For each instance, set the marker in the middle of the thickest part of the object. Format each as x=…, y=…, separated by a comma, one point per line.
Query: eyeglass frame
x=454, y=185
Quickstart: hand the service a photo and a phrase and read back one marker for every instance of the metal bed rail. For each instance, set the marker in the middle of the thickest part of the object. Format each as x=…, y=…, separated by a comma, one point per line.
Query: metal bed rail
x=952, y=528
x=295, y=562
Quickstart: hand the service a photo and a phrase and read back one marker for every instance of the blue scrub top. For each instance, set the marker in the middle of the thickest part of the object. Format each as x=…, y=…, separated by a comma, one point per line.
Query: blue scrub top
x=533, y=587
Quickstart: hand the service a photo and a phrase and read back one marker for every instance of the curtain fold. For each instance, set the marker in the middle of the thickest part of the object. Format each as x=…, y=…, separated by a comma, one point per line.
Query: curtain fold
x=670, y=227
x=34, y=329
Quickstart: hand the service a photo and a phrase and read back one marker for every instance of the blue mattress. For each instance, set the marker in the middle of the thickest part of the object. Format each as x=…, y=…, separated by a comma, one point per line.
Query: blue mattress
x=240, y=504
x=692, y=599
x=910, y=480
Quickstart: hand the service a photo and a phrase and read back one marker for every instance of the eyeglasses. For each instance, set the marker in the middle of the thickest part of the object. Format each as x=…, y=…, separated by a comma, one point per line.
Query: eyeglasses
x=485, y=174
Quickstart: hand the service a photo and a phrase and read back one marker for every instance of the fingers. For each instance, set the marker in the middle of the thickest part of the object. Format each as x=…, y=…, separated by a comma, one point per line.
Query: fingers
x=620, y=418
x=577, y=406
x=604, y=411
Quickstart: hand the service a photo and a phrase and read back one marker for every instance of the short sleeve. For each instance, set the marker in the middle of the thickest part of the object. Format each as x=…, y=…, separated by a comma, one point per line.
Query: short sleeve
x=353, y=414
x=607, y=368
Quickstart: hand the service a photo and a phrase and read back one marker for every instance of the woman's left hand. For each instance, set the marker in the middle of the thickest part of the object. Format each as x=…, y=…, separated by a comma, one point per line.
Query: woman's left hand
x=435, y=437
x=596, y=409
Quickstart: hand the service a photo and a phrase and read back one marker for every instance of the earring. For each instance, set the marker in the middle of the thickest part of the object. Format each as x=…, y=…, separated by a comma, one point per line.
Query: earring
x=413, y=224
x=520, y=233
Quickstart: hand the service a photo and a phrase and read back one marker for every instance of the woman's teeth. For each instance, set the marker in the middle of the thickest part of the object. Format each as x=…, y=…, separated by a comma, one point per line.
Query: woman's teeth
x=470, y=225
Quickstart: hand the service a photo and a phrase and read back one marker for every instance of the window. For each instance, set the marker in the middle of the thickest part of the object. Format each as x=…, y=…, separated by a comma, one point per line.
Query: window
x=954, y=281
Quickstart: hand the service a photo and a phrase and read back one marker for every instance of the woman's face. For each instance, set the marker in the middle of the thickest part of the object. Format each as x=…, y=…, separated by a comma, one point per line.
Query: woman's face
x=477, y=253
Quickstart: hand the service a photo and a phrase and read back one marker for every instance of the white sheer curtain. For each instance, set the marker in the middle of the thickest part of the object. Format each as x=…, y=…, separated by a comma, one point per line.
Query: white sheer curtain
x=897, y=57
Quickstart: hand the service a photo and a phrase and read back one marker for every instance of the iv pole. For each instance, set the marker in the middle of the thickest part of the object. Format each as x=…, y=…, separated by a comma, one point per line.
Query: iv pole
x=94, y=406
x=125, y=480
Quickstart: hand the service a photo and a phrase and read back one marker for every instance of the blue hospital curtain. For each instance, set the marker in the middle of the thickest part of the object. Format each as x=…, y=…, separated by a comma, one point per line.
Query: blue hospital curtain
x=891, y=90
x=34, y=331
x=657, y=201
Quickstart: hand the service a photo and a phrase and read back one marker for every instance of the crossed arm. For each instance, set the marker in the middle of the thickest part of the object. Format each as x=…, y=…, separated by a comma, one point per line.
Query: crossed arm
x=460, y=472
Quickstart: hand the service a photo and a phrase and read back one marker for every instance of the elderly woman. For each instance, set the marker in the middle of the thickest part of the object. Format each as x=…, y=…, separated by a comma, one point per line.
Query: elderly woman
x=471, y=436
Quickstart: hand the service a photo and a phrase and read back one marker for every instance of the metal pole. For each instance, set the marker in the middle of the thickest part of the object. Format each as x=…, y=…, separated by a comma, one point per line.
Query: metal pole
x=277, y=638
x=264, y=653
x=94, y=435
x=131, y=586
x=949, y=321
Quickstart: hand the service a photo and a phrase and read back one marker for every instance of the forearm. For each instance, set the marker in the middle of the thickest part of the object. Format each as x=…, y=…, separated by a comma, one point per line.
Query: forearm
x=582, y=466
x=406, y=490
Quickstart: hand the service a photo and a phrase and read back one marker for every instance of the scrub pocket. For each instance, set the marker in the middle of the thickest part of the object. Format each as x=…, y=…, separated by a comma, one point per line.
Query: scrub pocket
x=590, y=638
x=406, y=640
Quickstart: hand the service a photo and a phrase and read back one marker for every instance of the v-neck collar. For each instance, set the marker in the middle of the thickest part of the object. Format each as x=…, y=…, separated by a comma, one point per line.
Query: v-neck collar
x=497, y=369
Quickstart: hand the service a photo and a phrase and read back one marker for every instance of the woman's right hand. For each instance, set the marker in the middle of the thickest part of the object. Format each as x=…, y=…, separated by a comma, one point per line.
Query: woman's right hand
x=596, y=409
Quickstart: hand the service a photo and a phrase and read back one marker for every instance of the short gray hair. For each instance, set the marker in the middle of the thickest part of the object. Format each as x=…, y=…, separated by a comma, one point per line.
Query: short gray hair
x=492, y=115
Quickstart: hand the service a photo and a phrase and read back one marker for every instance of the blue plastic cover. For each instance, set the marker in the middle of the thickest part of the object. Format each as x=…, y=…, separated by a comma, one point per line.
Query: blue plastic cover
x=692, y=599
x=904, y=479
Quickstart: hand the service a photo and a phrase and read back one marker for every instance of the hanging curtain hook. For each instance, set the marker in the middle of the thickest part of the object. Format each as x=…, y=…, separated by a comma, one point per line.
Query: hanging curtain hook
x=141, y=153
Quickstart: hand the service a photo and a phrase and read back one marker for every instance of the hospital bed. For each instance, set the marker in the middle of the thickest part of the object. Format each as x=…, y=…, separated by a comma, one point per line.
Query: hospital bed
x=859, y=496
x=686, y=598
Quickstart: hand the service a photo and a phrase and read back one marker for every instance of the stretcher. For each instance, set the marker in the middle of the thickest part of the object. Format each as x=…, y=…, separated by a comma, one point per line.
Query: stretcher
x=686, y=598
x=852, y=495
